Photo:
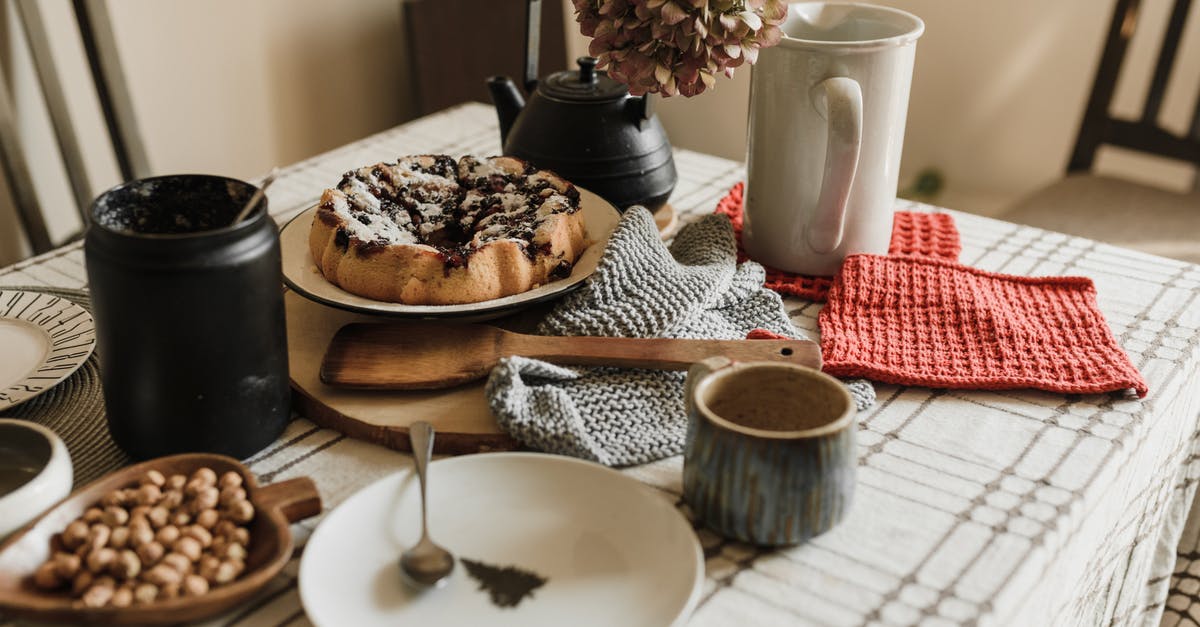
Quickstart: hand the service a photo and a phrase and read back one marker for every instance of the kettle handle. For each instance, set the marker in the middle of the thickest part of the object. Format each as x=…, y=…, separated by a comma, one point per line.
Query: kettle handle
x=839, y=101
x=641, y=109
x=533, y=42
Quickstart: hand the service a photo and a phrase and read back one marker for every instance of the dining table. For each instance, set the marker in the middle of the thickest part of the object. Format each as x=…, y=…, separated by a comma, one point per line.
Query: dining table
x=1017, y=507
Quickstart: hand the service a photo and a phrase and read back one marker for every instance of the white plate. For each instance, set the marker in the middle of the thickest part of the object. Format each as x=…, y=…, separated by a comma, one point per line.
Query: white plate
x=301, y=274
x=43, y=339
x=612, y=551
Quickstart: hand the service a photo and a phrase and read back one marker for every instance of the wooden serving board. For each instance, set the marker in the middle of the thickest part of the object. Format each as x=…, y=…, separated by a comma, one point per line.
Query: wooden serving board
x=461, y=416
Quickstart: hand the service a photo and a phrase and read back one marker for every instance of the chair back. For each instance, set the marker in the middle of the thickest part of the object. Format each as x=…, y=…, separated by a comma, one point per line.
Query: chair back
x=99, y=45
x=1145, y=133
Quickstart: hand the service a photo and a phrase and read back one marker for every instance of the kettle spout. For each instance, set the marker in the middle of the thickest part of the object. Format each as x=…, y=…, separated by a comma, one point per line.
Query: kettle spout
x=508, y=102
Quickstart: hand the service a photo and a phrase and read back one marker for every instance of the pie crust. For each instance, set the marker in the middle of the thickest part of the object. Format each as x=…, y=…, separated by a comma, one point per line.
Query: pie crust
x=429, y=230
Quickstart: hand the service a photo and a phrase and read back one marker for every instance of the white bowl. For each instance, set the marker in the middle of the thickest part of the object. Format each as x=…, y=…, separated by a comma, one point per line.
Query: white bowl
x=35, y=472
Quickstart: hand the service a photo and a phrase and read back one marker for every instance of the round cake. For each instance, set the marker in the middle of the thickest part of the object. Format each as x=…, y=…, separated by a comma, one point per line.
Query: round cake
x=429, y=230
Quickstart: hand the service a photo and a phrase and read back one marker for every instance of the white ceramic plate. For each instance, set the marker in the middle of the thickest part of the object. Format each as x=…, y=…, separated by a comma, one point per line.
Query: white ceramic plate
x=611, y=550
x=301, y=274
x=43, y=339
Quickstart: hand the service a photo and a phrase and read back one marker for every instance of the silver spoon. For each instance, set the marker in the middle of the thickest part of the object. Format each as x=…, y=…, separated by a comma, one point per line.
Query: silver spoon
x=425, y=564
x=257, y=197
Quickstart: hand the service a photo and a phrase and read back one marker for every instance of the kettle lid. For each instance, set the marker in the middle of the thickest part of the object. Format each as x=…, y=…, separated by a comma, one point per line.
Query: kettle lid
x=584, y=85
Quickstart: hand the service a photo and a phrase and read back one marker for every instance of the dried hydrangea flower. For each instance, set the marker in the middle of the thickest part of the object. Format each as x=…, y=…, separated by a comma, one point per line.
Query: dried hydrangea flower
x=677, y=46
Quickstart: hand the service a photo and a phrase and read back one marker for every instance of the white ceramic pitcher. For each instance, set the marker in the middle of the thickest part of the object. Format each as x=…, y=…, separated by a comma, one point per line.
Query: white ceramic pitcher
x=827, y=112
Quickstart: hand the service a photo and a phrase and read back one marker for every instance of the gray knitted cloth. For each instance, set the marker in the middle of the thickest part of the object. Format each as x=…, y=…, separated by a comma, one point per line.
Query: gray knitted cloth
x=620, y=417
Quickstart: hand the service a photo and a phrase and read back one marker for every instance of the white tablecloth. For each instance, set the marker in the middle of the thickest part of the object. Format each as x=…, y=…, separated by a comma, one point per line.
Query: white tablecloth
x=997, y=508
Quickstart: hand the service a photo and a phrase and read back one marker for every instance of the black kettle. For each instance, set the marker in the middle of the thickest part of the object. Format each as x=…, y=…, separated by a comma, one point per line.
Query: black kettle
x=584, y=126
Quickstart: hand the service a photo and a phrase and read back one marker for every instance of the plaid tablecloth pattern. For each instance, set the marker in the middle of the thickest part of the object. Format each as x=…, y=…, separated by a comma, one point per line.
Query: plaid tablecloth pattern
x=990, y=508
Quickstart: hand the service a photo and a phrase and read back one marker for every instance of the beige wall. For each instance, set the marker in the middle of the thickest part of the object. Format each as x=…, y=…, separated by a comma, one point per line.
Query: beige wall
x=233, y=87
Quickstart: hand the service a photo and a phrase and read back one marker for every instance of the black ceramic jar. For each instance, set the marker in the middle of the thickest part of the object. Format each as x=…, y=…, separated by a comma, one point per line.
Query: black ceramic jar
x=189, y=317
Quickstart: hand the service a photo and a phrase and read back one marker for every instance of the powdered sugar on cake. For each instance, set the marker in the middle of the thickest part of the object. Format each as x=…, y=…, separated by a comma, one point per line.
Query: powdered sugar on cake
x=451, y=206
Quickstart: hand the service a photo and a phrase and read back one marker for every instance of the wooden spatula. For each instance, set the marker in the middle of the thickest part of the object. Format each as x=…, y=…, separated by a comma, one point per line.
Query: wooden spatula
x=431, y=355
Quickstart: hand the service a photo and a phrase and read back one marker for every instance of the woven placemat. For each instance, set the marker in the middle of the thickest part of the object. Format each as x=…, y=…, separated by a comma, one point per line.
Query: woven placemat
x=74, y=409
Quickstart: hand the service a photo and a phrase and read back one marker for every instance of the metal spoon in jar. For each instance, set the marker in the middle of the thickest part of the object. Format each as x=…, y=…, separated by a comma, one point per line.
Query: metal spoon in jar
x=425, y=564
x=257, y=197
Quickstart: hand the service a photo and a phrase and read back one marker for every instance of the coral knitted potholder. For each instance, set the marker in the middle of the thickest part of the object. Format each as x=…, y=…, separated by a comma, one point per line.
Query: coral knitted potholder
x=921, y=321
x=914, y=234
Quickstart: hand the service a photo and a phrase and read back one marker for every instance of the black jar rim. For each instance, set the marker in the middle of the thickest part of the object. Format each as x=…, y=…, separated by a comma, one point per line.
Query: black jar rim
x=257, y=215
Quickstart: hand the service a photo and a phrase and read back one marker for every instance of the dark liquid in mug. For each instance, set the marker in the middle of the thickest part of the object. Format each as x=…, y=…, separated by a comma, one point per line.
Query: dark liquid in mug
x=773, y=400
x=12, y=478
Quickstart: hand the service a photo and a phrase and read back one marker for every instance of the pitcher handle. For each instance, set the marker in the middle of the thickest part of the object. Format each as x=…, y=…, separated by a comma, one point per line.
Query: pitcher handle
x=839, y=100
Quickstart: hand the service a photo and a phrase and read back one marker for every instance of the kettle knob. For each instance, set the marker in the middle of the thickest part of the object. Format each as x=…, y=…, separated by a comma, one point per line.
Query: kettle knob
x=587, y=69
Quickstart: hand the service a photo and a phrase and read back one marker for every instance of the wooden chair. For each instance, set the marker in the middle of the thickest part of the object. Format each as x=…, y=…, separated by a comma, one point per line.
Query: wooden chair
x=98, y=41
x=1112, y=209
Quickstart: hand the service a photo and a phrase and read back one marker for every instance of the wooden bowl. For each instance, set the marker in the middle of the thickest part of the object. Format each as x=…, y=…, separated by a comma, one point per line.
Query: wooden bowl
x=270, y=547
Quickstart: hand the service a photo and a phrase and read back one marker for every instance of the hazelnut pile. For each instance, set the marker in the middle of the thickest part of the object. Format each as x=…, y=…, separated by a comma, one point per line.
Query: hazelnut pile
x=164, y=538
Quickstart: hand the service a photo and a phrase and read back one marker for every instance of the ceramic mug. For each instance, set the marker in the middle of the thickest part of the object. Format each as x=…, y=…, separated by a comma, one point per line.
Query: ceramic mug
x=769, y=457
x=35, y=472
x=827, y=114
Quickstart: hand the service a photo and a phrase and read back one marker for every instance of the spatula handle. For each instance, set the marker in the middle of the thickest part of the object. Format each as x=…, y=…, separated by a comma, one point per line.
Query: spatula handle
x=659, y=353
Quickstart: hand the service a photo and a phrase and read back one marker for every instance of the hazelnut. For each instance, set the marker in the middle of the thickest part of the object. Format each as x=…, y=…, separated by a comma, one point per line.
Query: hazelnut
x=167, y=535
x=66, y=565
x=224, y=527
x=230, y=479
x=194, y=585
x=163, y=575
x=176, y=482
x=75, y=534
x=140, y=534
x=99, y=559
x=123, y=597
x=180, y=518
x=179, y=562
x=189, y=547
x=148, y=494
x=119, y=538
x=231, y=494
x=150, y=552
x=241, y=511
x=154, y=478
x=126, y=566
x=139, y=512
x=226, y=572
x=232, y=551
x=201, y=534
x=115, y=516
x=205, y=475
x=159, y=516
x=207, y=498
x=145, y=593
x=98, y=595
x=98, y=536
x=193, y=487
x=170, y=590
x=241, y=535
x=93, y=515
x=208, y=567
x=208, y=518
x=112, y=499
x=46, y=577
x=82, y=582
x=171, y=499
